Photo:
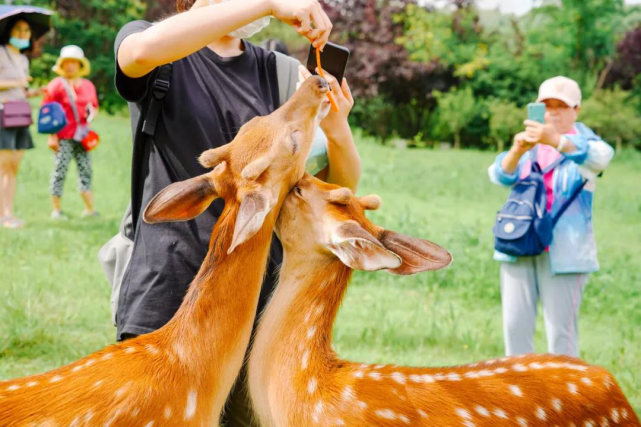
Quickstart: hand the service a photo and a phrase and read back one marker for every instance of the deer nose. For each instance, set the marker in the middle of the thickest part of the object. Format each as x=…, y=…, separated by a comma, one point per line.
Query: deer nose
x=322, y=84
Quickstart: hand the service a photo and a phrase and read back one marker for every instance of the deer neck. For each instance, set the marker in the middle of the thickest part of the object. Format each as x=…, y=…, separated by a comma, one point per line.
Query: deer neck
x=210, y=332
x=296, y=328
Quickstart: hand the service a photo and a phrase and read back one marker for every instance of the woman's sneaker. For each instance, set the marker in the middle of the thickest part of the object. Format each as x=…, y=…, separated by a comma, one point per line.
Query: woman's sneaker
x=59, y=216
x=89, y=214
x=12, y=222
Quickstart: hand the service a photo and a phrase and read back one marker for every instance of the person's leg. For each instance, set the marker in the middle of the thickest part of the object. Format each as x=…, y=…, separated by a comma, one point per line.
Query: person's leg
x=519, y=296
x=11, y=167
x=5, y=160
x=60, y=166
x=83, y=160
x=561, y=297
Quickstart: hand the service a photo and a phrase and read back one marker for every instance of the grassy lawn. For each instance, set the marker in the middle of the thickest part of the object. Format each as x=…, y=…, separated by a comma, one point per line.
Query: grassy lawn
x=54, y=300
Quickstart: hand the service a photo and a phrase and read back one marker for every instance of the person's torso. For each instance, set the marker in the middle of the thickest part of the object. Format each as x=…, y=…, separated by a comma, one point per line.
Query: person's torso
x=12, y=67
x=209, y=99
x=83, y=93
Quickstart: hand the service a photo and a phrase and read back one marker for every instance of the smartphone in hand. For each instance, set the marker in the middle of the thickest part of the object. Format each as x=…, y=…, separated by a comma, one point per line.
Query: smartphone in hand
x=333, y=59
x=536, y=112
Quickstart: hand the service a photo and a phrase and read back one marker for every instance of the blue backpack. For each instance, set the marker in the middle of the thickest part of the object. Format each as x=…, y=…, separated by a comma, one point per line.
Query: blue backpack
x=524, y=226
x=52, y=118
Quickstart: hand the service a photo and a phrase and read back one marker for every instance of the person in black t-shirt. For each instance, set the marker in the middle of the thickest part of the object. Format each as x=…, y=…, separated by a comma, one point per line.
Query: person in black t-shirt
x=219, y=83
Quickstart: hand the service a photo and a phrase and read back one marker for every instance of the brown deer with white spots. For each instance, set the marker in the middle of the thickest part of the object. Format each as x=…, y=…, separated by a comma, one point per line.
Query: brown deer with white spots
x=180, y=375
x=296, y=379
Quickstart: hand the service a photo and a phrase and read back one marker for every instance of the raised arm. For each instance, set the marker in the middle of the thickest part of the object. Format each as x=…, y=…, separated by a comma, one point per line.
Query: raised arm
x=188, y=32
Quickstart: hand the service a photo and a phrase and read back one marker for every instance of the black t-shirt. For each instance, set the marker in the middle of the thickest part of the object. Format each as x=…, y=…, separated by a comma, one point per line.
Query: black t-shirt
x=209, y=99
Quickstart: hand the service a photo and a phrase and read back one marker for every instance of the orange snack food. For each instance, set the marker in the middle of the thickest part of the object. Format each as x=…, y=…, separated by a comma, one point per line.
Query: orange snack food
x=332, y=101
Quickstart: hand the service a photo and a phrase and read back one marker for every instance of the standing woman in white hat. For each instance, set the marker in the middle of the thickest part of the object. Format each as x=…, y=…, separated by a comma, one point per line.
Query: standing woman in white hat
x=560, y=273
x=72, y=90
x=15, y=42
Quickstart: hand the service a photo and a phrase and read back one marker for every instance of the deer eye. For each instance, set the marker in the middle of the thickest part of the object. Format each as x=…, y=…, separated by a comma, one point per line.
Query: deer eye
x=298, y=191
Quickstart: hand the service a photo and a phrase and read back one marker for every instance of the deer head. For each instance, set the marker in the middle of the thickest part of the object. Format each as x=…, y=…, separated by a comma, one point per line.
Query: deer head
x=255, y=170
x=330, y=220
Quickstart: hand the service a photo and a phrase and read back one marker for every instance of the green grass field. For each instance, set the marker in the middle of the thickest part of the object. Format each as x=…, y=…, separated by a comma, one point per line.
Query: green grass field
x=54, y=299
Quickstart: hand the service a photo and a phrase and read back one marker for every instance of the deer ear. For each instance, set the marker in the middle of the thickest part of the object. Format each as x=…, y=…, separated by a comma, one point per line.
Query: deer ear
x=252, y=213
x=184, y=200
x=418, y=255
x=358, y=249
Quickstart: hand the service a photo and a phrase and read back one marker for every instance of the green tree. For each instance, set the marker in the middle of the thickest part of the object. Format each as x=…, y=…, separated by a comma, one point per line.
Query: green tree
x=614, y=117
x=506, y=120
x=456, y=109
x=92, y=25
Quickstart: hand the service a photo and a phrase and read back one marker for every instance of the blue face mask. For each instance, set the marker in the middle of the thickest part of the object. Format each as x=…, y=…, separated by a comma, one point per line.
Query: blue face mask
x=19, y=44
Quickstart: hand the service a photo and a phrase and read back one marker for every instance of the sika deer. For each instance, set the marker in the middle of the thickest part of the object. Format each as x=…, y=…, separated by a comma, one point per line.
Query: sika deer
x=297, y=380
x=181, y=374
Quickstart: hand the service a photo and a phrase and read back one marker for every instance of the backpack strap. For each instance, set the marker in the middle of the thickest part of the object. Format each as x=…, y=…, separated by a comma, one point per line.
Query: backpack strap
x=158, y=94
x=286, y=71
x=568, y=202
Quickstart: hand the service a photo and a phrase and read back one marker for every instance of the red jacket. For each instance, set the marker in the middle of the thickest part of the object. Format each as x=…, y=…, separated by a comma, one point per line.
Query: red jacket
x=85, y=95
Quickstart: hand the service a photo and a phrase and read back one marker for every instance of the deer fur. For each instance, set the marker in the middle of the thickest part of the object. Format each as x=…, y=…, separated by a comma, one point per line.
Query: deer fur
x=181, y=374
x=297, y=380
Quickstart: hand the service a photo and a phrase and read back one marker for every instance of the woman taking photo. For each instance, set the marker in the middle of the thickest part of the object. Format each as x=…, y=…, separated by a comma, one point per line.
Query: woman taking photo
x=14, y=80
x=219, y=82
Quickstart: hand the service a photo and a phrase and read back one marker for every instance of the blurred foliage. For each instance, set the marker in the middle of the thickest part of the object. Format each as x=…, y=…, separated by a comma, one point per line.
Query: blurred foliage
x=456, y=110
x=506, y=120
x=92, y=25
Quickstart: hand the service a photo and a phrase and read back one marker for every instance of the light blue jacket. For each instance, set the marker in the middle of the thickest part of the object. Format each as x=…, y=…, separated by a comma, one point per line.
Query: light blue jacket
x=573, y=249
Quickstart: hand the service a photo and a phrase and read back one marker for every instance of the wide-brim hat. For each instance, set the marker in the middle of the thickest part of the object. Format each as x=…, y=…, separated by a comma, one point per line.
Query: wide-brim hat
x=72, y=52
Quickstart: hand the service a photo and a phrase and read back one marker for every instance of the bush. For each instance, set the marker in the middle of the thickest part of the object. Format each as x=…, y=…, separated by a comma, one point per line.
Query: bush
x=506, y=120
x=612, y=115
x=456, y=110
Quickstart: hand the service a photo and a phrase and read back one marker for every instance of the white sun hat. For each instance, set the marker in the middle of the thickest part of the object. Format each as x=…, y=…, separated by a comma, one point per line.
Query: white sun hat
x=72, y=52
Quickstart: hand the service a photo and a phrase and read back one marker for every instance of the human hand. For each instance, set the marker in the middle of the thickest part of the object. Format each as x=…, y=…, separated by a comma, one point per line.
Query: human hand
x=23, y=82
x=521, y=145
x=302, y=15
x=53, y=143
x=542, y=133
x=342, y=95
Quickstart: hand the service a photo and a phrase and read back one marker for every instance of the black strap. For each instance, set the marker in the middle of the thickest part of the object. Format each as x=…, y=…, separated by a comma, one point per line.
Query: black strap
x=567, y=204
x=158, y=94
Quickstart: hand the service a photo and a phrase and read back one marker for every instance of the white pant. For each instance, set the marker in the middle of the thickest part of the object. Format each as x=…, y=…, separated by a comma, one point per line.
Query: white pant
x=526, y=281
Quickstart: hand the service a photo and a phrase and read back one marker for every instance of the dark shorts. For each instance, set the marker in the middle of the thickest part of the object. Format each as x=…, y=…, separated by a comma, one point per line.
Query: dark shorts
x=15, y=139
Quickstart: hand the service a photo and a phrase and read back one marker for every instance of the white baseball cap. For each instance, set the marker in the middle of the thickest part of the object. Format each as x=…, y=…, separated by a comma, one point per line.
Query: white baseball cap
x=561, y=88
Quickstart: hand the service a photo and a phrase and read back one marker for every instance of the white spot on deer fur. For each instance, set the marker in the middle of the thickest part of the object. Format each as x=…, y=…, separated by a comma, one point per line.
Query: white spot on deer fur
x=485, y=373
x=318, y=410
x=190, y=409
x=167, y=412
x=361, y=404
x=106, y=356
x=13, y=387
x=607, y=382
x=88, y=416
x=130, y=350
x=519, y=368
x=522, y=421
x=415, y=378
x=307, y=317
x=422, y=413
x=319, y=310
x=151, y=349
x=149, y=424
x=500, y=413
x=615, y=415
x=180, y=351
x=572, y=388
x=500, y=370
x=398, y=377
x=305, y=360
x=123, y=389
x=540, y=414
x=624, y=413
x=32, y=383
x=311, y=385
x=55, y=379
x=490, y=362
x=375, y=376
x=340, y=422
x=504, y=359
x=589, y=423
x=310, y=332
x=556, y=404
x=135, y=412
x=536, y=365
x=379, y=366
x=358, y=374
x=453, y=377
x=586, y=381
x=516, y=390
x=463, y=413
x=385, y=413
x=348, y=393
x=77, y=368
x=428, y=378
x=482, y=411
x=75, y=422
x=404, y=419
x=471, y=374
x=439, y=377
x=97, y=383
x=605, y=422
